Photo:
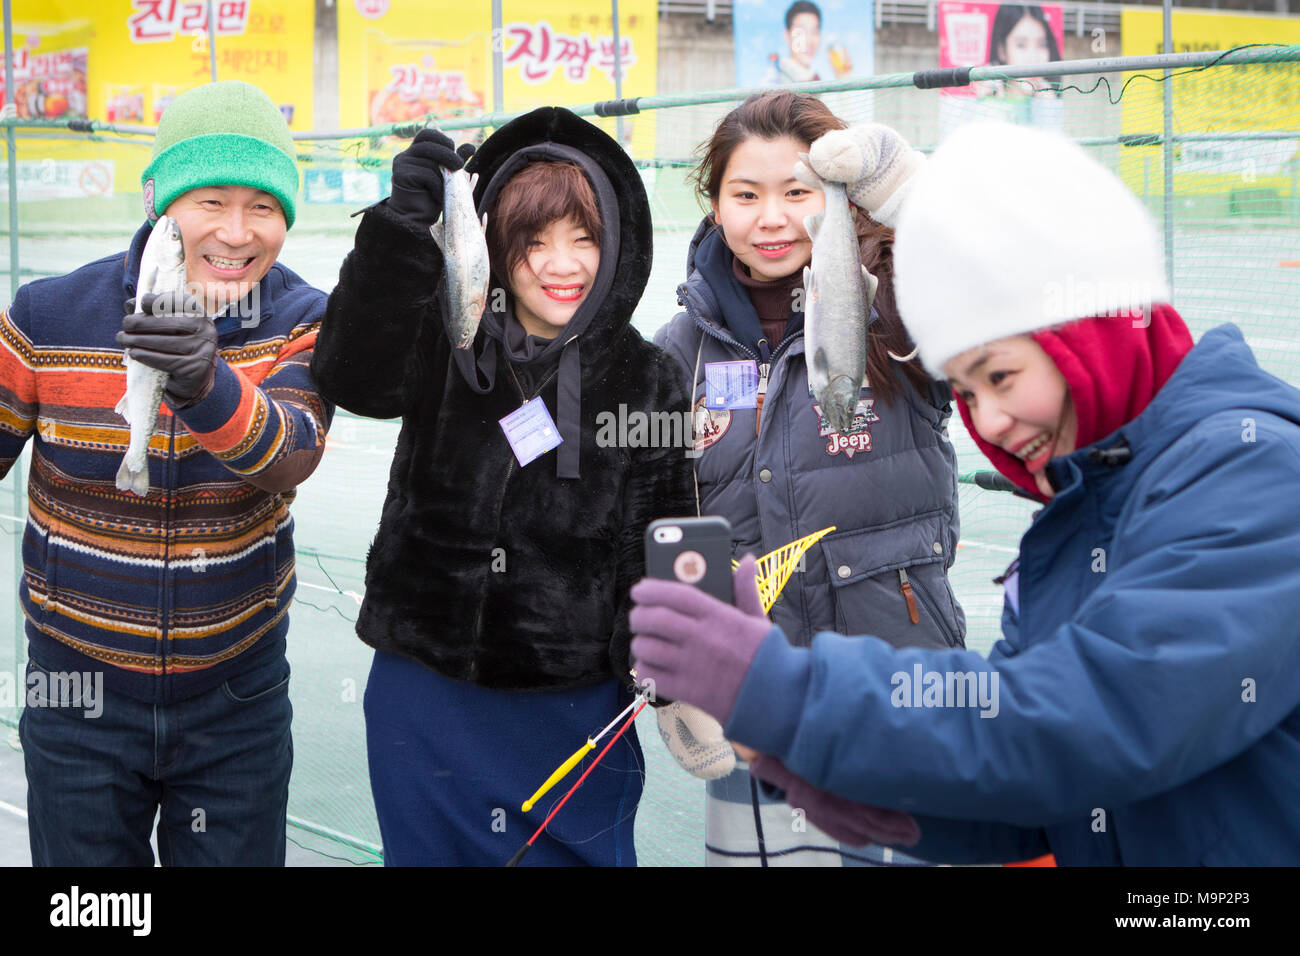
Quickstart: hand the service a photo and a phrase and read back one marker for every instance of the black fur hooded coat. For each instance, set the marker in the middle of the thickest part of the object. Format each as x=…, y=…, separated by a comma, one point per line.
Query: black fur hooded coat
x=510, y=577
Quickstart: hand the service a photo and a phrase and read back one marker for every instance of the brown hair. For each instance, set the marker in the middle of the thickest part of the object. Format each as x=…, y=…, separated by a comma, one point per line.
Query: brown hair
x=538, y=195
x=804, y=118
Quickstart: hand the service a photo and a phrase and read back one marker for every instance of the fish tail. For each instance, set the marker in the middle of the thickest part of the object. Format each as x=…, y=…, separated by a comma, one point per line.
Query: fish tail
x=134, y=479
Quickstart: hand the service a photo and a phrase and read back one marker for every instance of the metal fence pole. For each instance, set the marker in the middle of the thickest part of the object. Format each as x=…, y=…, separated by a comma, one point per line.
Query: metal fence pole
x=212, y=43
x=1167, y=148
x=618, y=69
x=15, y=473
x=498, y=53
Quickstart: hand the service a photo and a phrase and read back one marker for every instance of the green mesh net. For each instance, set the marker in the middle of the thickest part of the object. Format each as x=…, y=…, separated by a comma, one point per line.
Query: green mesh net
x=1233, y=205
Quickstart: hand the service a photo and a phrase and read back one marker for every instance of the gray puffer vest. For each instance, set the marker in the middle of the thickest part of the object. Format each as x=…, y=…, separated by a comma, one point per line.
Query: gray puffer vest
x=889, y=487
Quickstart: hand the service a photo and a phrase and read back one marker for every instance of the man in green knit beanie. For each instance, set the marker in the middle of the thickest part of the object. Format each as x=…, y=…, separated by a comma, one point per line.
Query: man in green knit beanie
x=223, y=167
x=168, y=601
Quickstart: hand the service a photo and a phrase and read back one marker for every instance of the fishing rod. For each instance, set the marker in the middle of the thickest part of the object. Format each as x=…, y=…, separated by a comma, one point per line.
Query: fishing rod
x=642, y=699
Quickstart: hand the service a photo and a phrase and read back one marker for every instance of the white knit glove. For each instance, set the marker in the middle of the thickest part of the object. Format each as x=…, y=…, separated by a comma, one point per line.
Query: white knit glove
x=695, y=740
x=877, y=164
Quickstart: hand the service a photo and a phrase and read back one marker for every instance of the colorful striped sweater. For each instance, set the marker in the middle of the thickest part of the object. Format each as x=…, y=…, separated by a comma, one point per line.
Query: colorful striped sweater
x=189, y=586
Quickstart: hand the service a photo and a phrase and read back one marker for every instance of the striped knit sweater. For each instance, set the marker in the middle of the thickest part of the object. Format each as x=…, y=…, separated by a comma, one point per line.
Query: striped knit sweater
x=189, y=586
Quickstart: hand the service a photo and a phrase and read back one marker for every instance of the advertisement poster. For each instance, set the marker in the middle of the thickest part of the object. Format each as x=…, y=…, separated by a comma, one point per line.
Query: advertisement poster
x=49, y=83
x=123, y=61
x=1256, y=98
x=780, y=42
x=399, y=62
x=1000, y=34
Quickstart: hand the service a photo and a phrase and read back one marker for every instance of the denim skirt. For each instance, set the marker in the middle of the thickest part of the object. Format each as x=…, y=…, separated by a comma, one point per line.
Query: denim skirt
x=451, y=764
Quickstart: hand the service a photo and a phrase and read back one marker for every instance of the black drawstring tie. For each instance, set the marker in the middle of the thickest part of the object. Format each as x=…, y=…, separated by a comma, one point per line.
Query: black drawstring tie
x=1112, y=457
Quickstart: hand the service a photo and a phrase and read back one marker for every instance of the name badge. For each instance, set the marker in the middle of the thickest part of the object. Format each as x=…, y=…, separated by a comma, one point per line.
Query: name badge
x=530, y=431
x=730, y=385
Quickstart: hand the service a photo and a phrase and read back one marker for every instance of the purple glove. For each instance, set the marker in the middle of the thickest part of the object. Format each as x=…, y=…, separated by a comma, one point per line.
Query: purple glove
x=694, y=647
x=856, y=824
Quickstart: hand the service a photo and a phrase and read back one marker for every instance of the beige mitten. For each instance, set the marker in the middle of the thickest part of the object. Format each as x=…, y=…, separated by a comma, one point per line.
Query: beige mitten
x=875, y=162
x=695, y=740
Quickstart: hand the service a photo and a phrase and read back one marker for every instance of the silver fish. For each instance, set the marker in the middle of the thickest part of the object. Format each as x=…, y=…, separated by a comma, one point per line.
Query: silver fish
x=162, y=271
x=459, y=235
x=838, y=292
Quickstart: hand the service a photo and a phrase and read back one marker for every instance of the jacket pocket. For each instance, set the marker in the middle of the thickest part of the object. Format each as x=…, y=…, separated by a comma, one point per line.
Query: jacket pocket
x=889, y=581
x=265, y=681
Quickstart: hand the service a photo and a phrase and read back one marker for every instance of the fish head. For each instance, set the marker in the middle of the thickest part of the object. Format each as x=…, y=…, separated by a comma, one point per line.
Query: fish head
x=840, y=402
x=171, y=248
x=162, y=264
x=467, y=327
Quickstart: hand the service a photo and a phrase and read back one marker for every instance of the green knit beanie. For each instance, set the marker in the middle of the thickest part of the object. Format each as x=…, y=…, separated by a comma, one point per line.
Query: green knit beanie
x=221, y=134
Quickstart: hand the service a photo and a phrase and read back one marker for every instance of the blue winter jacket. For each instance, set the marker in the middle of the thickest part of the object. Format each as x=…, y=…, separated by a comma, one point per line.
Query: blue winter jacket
x=1147, y=704
x=889, y=486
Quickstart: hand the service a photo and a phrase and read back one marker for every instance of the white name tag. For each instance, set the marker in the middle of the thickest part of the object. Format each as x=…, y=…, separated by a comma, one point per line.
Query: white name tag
x=530, y=431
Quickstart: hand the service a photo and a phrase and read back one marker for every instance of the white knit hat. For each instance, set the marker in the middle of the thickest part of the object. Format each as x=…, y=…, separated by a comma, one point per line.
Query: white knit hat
x=1009, y=230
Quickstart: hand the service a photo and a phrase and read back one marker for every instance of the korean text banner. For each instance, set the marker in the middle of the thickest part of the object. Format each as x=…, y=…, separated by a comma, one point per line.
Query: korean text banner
x=123, y=61
x=401, y=61
x=1219, y=99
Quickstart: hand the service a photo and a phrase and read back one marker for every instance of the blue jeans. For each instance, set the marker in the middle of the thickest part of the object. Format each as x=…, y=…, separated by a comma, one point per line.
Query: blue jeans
x=217, y=765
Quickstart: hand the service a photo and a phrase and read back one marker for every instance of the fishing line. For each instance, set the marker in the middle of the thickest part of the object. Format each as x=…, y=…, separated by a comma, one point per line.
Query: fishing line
x=640, y=771
x=328, y=577
x=1114, y=101
x=324, y=610
x=329, y=856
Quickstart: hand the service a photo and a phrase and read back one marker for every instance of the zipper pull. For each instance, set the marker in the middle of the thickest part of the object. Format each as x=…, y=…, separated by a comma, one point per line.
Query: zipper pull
x=764, y=367
x=905, y=588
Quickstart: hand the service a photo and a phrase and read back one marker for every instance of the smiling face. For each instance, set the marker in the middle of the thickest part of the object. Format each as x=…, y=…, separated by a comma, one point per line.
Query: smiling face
x=1018, y=400
x=554, y=277
x=232, y=236
x=761, y=207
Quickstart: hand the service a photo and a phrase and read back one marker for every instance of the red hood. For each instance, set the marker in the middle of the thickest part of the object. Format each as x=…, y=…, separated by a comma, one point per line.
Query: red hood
x=1112, y=367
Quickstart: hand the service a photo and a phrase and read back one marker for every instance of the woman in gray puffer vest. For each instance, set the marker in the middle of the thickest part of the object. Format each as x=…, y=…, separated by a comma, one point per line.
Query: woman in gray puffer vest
x=773, y=466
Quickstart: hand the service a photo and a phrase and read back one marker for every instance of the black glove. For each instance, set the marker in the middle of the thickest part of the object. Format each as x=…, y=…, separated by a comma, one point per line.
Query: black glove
x=417, y=176
x=171, y=334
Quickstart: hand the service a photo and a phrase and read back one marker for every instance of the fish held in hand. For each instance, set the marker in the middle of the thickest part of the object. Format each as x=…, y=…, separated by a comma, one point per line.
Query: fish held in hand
x=162, y=272
x=838, y=292
x=461, y=236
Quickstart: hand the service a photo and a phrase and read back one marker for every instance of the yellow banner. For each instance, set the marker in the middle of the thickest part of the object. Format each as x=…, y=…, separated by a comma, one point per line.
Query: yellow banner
x=400, y=61
x=123, y=61
x=1221, y=99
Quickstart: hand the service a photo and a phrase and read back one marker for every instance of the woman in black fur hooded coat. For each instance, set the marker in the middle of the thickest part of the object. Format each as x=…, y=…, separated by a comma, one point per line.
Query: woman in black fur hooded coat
x=497, y=593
